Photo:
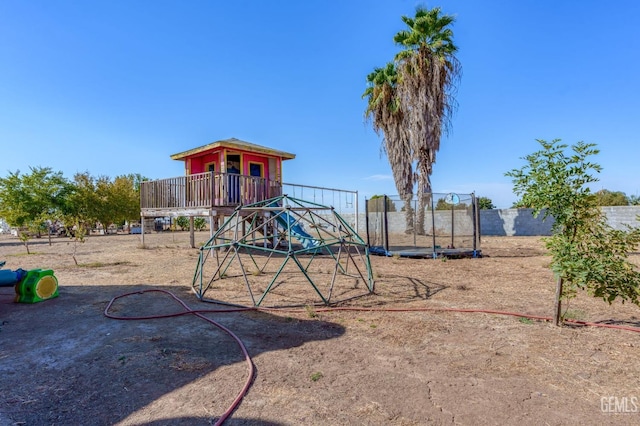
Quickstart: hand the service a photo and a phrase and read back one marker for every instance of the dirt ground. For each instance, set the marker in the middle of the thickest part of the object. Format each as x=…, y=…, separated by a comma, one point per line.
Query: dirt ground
x=63, y=362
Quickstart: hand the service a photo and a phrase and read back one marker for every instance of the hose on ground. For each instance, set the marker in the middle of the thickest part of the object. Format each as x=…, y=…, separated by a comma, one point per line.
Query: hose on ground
x=200, y=314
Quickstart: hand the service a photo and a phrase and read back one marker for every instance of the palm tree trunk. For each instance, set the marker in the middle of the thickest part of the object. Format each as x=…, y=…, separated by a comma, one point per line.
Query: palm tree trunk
x=408, y=212
x=424, y=196
x=422, y=203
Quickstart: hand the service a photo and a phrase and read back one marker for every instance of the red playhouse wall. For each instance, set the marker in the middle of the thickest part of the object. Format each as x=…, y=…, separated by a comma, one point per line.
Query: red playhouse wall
x=199, y=162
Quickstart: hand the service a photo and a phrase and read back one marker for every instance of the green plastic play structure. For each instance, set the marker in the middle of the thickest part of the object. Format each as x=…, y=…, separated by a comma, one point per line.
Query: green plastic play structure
x=35, y=285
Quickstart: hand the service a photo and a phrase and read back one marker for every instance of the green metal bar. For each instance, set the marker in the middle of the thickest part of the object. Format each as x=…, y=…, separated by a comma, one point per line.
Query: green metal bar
x=275, y=277
x=216, y=250
x=219, y=231
x=195, y=276
x=343, y=270
x=352, y=233
x=355, y=265
x=217, y=271
x=349, y=257
x=252, y=229
x=248, y=252
x=244, y=274
x=295, y=259
x=335, y=272
x=228, y=264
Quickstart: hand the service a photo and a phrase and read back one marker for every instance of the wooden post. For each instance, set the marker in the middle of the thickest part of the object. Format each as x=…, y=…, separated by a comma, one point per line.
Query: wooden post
x=142, y=230
x=558, y=303
x=192, y=237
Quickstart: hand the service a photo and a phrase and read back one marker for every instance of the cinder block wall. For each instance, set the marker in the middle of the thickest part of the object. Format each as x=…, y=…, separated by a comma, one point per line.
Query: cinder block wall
x=520, y=222
x=397, y=224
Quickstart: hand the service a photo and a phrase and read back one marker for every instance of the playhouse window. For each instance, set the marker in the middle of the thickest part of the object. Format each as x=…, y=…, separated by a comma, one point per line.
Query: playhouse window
x=256, y=169
x=233, y=163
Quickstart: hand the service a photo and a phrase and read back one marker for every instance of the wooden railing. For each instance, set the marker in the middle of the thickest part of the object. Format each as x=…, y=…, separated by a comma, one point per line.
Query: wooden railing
x=206, y=190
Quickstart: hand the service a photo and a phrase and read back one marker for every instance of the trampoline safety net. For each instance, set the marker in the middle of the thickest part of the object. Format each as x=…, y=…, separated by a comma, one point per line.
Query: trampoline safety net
x=435, y=225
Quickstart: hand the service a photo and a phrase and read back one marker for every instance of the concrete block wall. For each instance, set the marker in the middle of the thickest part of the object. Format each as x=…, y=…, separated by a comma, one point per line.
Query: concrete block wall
x=520, y=222
x=396, y=222
x=504, y=222
x=462, y=222
x=619, y=216
x=513, y=222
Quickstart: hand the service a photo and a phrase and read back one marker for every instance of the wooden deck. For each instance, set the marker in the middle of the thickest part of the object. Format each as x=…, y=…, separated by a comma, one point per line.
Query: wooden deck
x=217, y=195
x=204, y=194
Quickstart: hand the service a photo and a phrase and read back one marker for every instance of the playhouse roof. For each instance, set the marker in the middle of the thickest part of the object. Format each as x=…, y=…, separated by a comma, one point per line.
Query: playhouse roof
x=234, y=144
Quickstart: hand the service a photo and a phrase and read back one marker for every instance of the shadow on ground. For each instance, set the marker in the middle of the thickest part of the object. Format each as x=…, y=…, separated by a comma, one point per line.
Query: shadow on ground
x=395, y=290
x=63, y=362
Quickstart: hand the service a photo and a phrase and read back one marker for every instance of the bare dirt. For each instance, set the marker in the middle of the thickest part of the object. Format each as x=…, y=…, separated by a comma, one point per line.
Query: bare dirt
x=62, y=362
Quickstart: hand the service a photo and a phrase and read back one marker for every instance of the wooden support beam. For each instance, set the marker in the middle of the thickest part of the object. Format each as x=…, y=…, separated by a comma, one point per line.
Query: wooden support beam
x=192, y=237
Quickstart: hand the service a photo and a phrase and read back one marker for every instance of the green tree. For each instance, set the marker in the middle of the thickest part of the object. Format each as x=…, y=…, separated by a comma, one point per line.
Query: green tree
x=105, y=210
x=104, y=200
x=485, y=203
x=443, y=205
x=33, y=200
x=182, y=222
x=376, y=204
x=77, y=231
x=85, y=201
x=124, y=199
x=520, y=205
x=199, y=223
x=586, y=252
x=604, y=197
x=387, y=118
x=428, y=72
x=136, y=179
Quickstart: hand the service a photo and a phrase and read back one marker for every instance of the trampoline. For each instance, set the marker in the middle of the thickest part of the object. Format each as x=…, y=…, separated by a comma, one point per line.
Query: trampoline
x=436, y=226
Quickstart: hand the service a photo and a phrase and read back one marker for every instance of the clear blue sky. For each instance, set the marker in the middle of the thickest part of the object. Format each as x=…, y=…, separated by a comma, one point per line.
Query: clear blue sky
x=116, y=87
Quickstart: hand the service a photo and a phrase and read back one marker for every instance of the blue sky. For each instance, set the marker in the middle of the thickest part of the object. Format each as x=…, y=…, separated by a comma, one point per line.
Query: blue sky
x=116, y=87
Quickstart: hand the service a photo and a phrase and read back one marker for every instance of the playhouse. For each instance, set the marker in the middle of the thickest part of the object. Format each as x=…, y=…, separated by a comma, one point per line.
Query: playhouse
x=226, y=174
x=218, y=177
x=236, y=157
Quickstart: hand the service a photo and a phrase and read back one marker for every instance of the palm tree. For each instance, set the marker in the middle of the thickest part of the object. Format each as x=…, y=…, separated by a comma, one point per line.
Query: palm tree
x=387, y=117
x=427, y=75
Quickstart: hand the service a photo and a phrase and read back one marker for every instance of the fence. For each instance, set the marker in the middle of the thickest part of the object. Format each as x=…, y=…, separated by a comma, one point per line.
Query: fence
x=206, y=190
x=343, y=201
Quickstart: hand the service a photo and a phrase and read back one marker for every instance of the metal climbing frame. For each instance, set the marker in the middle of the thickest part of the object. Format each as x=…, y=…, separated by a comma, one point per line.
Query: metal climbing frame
x=301, y=250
